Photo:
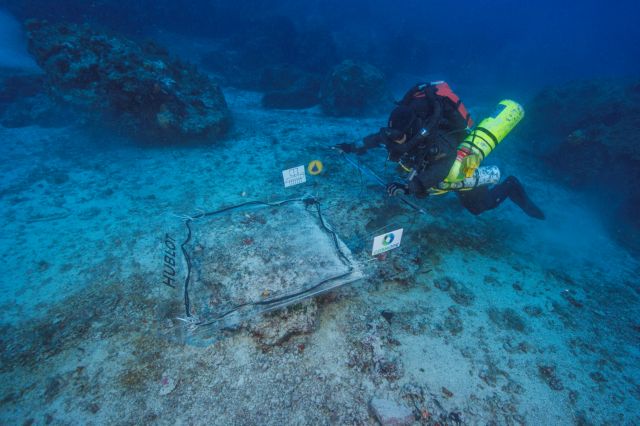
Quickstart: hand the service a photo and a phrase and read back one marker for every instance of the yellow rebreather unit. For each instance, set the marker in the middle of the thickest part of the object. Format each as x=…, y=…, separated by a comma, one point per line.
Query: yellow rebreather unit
x=483, y=139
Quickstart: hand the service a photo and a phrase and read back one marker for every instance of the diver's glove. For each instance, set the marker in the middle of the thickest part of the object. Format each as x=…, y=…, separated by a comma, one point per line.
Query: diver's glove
x=347, y=148
x=394, y=189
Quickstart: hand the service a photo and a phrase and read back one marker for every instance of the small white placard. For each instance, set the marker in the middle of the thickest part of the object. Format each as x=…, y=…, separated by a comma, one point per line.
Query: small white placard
x=386, y=242
x=294, y=176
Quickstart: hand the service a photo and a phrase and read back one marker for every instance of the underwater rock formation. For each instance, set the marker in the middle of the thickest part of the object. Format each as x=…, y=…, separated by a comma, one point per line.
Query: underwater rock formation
x=146, y=93
x=271, y=55
x=355, y=89
x=587, y=126
x=16, y=87
x=587, y=131
x=24, y=102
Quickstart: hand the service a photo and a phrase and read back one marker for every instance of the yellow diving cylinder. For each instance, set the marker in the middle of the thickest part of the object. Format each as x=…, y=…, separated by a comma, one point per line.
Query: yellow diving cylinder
x=483, y=139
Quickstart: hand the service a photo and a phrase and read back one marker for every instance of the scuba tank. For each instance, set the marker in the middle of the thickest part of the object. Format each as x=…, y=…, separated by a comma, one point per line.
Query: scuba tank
x=483, y=139
x=481, y=176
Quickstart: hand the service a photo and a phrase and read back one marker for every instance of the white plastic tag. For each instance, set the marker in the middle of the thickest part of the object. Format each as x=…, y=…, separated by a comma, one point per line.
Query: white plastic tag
x=386, y=242
x=294, y=176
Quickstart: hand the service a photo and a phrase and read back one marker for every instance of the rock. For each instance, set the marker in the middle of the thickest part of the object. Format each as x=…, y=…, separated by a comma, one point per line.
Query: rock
x=459, y=293
x=225, y=63
x=388, y=315
x=452, y=322
x=271, y=55
x=16, y=87
x=140, y=89
x=597, y=377
x=167, y=384
x=38, y=110
x=507, y=319
x=444, y=283
x=586, y=131
x=533, y=311
x=53, y=387
x=24, y=102
x=548, y=374
x=277, y=328
x=269, y=41
x=355, y=89
x=390, y=413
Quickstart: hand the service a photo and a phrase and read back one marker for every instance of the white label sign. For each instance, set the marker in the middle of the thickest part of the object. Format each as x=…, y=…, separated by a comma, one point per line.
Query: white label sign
x=386, y=242
x=294, y=176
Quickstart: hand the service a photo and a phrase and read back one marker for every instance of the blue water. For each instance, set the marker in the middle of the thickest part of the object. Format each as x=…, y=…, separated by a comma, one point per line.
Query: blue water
x=490, y=319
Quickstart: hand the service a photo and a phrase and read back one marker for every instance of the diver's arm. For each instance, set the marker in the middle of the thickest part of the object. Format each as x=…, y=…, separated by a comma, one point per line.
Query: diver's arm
x=420, y=183
x=373, y=140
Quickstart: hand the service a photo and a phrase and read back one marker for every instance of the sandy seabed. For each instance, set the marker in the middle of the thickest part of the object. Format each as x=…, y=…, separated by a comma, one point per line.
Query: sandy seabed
x=497, y=319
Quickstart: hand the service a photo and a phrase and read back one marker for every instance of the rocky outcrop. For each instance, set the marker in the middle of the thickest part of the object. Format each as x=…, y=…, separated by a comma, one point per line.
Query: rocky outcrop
x=355, y=89
x=588, y=127
x=271, y=55
x=23, y=102
x=587, y=132
x=141, y=89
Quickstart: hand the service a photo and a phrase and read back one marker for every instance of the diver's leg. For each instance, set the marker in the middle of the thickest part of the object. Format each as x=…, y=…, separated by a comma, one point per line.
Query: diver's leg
x=518, y=195
x=481, y=199
x=476, y=200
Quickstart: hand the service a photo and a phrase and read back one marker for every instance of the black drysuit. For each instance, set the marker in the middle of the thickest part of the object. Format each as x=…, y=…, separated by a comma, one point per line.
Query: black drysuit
x=432, y=155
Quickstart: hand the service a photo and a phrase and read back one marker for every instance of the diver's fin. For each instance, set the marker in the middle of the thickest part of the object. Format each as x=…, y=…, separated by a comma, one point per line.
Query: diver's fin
x=518, y=195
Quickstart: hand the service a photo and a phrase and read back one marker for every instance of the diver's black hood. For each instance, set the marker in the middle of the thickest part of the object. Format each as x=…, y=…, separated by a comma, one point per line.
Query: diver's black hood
x=402, y=118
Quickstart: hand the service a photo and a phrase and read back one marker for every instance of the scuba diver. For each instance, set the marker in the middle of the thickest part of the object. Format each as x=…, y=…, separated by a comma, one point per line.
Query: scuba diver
x=428, y=134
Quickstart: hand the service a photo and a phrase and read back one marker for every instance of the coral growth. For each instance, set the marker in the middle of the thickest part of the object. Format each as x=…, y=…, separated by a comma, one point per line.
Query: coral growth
x=145, y=92
x=355, y=89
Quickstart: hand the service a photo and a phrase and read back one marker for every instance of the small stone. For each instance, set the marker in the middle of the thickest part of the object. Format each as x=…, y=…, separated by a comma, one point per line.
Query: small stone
x=443, y=283
x=446, y=392
x=53, y=387
x=533, y=311
x=548, y=374
x=597, y=377
x=390, y=413
x=388, y=315
x=167, y=384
